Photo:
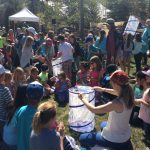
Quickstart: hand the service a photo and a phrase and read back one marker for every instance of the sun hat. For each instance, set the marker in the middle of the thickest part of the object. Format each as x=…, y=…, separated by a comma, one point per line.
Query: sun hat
x=35, y=91
x=32, y=30
x=120, y=77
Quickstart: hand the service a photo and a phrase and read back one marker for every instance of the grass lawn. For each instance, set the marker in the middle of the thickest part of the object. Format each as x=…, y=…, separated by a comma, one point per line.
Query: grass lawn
x=137, y=133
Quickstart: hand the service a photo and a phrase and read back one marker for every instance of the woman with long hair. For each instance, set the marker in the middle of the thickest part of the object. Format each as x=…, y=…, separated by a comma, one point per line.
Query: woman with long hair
x=116, y=134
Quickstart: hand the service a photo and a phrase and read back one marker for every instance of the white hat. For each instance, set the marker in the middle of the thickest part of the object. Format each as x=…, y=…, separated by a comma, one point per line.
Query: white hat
x=147, y=73
x=32, y=30
x=2, y=69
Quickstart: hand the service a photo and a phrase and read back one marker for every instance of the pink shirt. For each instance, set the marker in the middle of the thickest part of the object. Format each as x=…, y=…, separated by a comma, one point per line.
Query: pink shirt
x=144, y=113
x=94, y=78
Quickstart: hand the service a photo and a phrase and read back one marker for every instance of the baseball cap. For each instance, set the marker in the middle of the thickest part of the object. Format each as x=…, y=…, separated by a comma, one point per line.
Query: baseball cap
x=89, y=39
x=32, y=30
x=110, y=21
x=35, y=91
x=120, y=77
x=2, y=69
x=147, y=73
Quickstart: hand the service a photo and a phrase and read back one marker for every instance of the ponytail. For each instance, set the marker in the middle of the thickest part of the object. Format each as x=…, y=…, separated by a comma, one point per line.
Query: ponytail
x=127, y=95
x=36, y=125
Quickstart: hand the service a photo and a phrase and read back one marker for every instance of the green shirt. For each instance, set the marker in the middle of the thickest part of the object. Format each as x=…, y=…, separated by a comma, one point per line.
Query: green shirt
x=1, y=42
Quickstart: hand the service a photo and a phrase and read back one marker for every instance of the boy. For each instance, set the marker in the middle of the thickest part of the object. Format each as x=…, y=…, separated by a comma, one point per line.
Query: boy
x=25, y=114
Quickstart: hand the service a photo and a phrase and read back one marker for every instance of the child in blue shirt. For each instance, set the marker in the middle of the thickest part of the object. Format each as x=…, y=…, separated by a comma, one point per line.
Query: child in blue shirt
x=25, y=115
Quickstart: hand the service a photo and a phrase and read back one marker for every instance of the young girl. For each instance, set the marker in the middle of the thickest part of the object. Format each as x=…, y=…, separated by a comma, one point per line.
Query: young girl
x=43, y=135
x=128, y=47
x=61, y=88
x=26, y=52
x=18, y=78
x=137, y=52
x=82, y=74
x=116, y=134
x=144, y=113
x=95, y=71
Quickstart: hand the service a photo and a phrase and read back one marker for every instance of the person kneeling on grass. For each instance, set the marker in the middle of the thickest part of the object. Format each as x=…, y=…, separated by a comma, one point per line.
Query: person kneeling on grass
x=116, y=134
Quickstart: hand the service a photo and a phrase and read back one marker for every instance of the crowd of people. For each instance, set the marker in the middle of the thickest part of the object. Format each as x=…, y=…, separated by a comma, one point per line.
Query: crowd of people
x=102, y=62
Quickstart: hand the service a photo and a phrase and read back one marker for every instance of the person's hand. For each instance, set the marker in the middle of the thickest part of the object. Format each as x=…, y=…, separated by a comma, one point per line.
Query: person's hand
x=80, y=96
x=61, y=129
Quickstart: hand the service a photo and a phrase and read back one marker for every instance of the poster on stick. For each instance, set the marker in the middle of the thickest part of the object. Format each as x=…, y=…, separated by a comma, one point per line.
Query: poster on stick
x=132, y=25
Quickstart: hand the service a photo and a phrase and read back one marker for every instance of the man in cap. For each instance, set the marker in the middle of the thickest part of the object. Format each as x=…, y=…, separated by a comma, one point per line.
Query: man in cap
x=5, y=99
x=112, y=39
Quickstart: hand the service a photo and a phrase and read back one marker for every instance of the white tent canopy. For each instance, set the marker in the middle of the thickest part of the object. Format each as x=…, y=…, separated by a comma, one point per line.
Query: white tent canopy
x=24, y=15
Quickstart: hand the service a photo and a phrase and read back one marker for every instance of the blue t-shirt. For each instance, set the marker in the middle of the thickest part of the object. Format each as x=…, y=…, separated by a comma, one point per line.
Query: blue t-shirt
x=24, y=117
x=101, y=45
x=45, y=140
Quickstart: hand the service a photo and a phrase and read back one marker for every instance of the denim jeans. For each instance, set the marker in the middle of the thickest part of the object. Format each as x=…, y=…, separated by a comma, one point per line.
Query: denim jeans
x=138, y=59
x=9, y=147
x=147, y=130
x=89, y=140
x=2, y=123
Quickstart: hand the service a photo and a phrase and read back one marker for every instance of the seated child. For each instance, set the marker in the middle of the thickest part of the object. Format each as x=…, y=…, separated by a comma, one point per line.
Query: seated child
x=105, y=82
x=43, y=76
x=61, y=88
x=33, y=76
x=81, y=77
x=43, y=135
x=9, y=83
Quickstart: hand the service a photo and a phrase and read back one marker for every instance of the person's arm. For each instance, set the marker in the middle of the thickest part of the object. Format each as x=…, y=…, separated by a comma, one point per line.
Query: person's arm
x=105, y=108
x=61, y=130
x=141, y=101
x=110, y=91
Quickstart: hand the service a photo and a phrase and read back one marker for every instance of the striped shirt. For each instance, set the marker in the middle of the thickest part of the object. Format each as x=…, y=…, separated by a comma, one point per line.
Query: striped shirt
x=5, y=98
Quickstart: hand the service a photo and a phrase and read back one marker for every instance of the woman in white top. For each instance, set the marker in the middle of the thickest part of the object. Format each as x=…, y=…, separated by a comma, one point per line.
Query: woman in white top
x=116, y=134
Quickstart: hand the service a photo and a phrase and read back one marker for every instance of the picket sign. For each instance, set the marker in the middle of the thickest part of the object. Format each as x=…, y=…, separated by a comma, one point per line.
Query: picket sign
x=132, y=25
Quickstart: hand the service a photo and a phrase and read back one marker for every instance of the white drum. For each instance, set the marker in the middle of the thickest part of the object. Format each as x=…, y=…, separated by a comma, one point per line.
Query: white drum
x=80, y=118
x=57, y=66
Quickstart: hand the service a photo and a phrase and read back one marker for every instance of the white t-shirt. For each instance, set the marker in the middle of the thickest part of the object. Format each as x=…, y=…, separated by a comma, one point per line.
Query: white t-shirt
x=67, y=51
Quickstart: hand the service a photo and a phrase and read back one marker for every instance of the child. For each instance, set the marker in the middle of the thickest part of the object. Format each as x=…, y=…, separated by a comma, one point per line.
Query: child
x=101, y=43
x=91, y=49
x=82, y=74
x=144, y=113
x=8, y=82
x=10, y=133
x=43, y=135
x=137, y=52
x=105, y=82
x=24, y=115
x=128, y=47
x=9, y=57
x=47, y=50
x=61, y=88
x=43, y=76
x=18, y=78
x=95, y=71
x=33, y=76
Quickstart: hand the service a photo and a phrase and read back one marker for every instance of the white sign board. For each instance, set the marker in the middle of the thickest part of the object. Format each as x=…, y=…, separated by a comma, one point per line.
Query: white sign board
x=132, y=25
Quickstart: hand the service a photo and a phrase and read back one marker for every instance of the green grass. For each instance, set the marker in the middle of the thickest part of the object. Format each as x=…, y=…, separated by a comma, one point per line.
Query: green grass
x=137, y=133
